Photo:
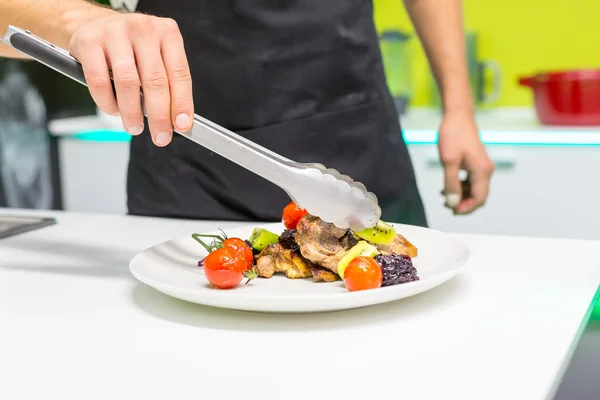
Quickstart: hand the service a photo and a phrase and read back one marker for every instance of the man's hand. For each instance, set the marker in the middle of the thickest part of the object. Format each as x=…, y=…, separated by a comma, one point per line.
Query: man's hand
x=141, y=50
x=461, y=148
x=440, y=27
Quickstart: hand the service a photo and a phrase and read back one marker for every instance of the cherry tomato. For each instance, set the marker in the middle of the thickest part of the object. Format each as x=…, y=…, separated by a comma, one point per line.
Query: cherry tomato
x=242, y=248
x=363, y=273
x=224, y=267
x=222, y=278
x=292, y=214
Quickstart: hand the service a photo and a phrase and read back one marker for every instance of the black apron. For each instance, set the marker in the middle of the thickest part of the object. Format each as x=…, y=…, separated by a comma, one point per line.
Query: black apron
x=303, y=78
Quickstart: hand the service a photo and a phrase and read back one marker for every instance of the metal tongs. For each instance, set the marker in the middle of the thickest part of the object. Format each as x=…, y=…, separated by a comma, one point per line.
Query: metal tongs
x=323, y=192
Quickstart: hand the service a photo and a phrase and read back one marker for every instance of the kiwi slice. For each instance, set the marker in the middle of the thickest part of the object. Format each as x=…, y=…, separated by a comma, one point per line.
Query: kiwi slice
x=381, y=233
x=261, y=238
x=362, y=248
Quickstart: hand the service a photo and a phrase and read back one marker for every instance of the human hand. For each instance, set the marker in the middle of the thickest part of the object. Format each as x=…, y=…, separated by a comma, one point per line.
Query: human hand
x=460, y=148
x=142, y=51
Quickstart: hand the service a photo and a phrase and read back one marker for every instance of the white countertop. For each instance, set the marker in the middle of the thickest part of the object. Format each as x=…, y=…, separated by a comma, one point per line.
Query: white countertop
x=76, y=325
x=508, y=125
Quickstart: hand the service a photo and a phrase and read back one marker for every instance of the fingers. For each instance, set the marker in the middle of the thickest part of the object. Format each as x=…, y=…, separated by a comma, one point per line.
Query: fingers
x=126, y=80
x=479, y=184
x=460, y=147
x=144, y=53
x=466, y=206
x=95, y=69
x=180, y=80
x=452, y=186
x=480, y=189
x=155, y=85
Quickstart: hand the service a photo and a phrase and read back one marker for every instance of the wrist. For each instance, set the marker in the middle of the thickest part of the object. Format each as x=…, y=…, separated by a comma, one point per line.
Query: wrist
x=459, y=111
x=458, y=103
x=71, y=19
x=457, y=97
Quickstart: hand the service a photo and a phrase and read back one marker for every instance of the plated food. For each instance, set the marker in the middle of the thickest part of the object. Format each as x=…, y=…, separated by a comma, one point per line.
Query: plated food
x=171, y=267
x=308, y=248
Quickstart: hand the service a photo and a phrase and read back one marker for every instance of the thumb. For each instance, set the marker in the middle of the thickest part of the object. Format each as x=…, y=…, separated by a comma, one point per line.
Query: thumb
x=452, y=185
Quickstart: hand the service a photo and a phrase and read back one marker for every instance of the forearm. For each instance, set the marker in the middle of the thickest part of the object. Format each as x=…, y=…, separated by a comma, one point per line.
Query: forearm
x=439, y=24
x=54, y=20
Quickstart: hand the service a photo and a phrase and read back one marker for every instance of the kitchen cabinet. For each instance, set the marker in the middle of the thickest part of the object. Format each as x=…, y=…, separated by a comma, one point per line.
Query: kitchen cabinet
x=546, y=191
x=93, y=175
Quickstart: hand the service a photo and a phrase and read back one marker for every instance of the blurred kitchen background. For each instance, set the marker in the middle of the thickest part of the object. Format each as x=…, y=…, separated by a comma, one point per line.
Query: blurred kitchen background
x=58, y=152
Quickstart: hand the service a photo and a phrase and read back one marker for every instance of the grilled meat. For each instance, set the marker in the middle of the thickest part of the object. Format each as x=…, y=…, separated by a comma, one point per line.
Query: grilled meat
x=400, y=245
x=350, y=239
x=322, y=274
x=320, y=242
x=324, y=244
x=275, y=258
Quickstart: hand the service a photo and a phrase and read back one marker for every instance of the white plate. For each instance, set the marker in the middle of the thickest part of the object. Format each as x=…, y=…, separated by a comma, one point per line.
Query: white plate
x=171, y=268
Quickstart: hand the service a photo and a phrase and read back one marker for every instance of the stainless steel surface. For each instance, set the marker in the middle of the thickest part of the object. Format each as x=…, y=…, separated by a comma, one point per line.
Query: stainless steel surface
x=323, y=192
x=11, y=31
x=11, y=225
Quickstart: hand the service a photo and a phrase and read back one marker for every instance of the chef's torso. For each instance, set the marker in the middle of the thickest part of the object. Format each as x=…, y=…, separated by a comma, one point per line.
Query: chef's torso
x=259, y=62
x=301, y=77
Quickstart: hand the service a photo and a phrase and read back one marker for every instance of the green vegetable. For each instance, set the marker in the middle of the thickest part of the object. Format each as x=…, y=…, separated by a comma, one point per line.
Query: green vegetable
x=261, y=238
x=381, y=233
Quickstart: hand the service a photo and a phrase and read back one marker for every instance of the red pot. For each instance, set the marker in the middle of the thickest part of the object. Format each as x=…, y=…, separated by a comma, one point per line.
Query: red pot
x=567, y=97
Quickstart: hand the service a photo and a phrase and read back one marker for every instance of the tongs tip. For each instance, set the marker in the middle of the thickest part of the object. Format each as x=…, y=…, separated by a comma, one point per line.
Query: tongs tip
x=339, y=199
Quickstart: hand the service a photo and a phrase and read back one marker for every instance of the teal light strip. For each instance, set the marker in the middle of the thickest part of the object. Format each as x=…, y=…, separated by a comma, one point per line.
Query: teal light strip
x=103, y=136
x=422, y=137
x=596, y=309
